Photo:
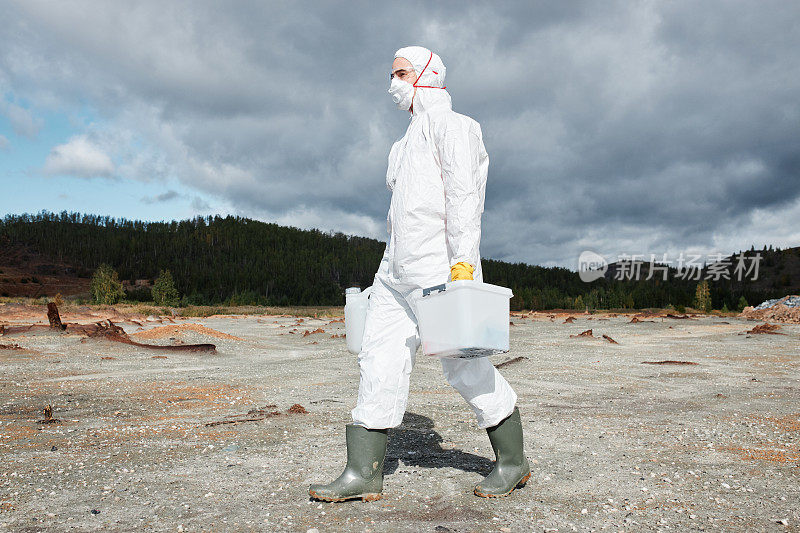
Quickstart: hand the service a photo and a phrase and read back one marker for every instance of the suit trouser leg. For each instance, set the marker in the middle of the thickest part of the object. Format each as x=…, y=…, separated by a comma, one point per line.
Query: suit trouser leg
x=386, y=360
x=483, y=387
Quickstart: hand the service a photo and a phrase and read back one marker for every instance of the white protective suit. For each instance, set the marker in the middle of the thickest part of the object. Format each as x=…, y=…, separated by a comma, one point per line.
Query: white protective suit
x=437, y=174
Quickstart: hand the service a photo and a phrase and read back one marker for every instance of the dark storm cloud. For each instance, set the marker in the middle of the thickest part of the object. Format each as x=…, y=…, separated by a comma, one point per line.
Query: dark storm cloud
x=617, y=127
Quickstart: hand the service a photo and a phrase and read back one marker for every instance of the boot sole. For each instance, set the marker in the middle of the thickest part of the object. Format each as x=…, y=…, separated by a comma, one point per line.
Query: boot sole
x=371, y=497
x=519, y=484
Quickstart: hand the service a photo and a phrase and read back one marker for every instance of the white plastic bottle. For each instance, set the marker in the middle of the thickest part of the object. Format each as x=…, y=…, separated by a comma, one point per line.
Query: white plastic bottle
x=355, y=316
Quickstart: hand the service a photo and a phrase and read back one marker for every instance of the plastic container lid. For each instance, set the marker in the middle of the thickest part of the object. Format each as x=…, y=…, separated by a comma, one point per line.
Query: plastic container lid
x=353, y=290
x=452, y=286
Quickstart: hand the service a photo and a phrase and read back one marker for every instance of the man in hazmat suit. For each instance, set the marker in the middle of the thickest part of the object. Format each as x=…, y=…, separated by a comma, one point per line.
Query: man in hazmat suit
x=437, y=174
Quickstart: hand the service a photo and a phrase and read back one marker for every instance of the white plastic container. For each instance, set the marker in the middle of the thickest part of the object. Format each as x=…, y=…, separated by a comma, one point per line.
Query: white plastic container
x=463, y=319
x=355, y=316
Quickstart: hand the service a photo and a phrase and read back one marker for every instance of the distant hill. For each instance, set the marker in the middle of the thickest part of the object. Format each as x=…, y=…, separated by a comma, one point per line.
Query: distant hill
x=235, y=260
x=26, y=272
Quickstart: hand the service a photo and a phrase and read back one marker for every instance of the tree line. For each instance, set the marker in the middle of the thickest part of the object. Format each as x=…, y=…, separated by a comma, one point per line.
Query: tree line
x=239, y=261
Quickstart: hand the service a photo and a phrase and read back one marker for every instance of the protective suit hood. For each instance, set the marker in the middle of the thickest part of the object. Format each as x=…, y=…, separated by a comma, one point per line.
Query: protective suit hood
x=431, y=72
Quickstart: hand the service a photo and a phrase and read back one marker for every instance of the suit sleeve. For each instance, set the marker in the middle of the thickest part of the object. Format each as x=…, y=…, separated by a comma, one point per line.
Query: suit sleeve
x=459, y=151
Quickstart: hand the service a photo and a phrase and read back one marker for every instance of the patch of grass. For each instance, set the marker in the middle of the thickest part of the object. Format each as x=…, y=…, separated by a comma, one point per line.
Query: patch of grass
x=205, y=310
x=145, y=310
x=199, y=311
x=319, y=311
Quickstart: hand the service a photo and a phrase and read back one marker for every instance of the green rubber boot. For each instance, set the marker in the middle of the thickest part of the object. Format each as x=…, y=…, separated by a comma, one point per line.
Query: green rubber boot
x=363, y=475
x=511, y=468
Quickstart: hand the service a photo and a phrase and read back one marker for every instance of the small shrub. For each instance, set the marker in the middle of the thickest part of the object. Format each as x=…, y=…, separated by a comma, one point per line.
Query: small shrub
x=164, y=291
x=742, y=303
x=702, y=297
x=106, y=287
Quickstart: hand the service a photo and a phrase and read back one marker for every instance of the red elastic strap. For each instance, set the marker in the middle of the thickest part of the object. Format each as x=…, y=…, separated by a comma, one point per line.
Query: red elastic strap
x=420, y=75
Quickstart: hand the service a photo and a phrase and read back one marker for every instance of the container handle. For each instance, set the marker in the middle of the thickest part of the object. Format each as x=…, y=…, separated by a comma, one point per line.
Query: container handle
x=438, y=288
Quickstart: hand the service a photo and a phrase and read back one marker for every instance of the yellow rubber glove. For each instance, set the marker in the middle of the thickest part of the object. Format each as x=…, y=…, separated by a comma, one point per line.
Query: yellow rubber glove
x=461, y=270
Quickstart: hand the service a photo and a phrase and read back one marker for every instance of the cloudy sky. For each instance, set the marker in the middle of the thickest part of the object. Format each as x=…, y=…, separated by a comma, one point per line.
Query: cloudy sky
x=618, y=127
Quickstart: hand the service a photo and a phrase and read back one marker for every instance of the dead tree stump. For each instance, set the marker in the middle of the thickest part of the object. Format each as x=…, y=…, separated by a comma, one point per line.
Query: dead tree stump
x=53, y=316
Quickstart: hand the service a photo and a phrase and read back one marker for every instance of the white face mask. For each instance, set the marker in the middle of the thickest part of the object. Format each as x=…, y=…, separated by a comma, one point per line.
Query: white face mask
x=402, y=93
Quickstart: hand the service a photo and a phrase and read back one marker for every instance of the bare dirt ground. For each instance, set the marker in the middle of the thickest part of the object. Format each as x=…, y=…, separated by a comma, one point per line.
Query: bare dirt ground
x=195, y=442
